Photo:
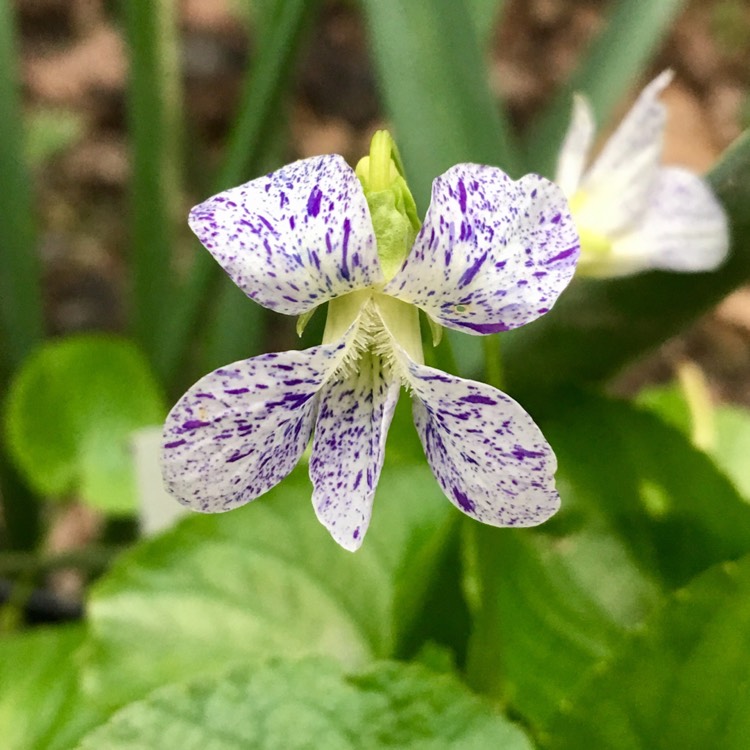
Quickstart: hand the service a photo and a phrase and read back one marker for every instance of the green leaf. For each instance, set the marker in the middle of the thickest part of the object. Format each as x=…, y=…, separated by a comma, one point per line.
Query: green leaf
x=434, y=84
x=50, y=131
x=70, y=411
x=642, y=512
x=266, y=580
x=682, y=682
x=311, y=703
x=616, y=59
x=485, y=14
x=729, y=441
x=597, y=327
x=40, y=704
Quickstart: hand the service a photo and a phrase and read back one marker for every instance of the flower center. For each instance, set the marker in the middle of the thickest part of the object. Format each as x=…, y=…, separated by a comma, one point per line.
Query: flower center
x=595, y=247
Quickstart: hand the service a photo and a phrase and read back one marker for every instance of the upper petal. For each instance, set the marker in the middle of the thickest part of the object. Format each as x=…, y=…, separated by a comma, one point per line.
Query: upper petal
x=576, y=146
x=684, y=229
x=493, y=254
x=241, y=429
x=349, y=446
x=293, y=238
x=489, y=457
x=615, y=191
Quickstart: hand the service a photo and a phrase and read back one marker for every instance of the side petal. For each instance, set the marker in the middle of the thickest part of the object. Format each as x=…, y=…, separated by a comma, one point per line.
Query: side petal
x=576, y=146
x=684, y=229
x=349, y=446
x=493, y=254
x=615, y=191
x=241, y=429
x=293, y=238
x=487, y=454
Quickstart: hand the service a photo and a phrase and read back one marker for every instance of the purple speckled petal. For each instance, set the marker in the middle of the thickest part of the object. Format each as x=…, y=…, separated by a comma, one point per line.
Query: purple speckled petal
x=348, y=448
x=576, y=146
x=294, y=238
x=492, y=254
x=487, y=454
x=616, y=190
x=684, y=229
x=241, y=429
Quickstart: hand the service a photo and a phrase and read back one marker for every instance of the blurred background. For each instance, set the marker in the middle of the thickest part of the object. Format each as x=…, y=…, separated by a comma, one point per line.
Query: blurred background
x=131, y=115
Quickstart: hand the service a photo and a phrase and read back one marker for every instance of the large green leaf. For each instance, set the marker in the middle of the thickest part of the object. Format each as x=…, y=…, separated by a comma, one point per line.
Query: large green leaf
x=311, y=704
x=266, y=580
x=40, y=702
x=642, y=512
x=597, y=327
x=70, y=412
x=434, y=84
x=682, y=682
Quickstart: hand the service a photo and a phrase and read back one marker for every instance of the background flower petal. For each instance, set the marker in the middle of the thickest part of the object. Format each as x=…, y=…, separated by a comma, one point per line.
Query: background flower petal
x=293, y=238
x=242, y=428
x=349, y=446
x=615, y=191
x=493, y=254
x=684, y=229
x=488, y=455
x=576, y=146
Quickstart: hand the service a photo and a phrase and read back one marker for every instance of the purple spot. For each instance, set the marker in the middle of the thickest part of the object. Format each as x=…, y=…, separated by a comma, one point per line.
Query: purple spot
x=564, y=254
x=556, y=218
x=236, y=391
x=466, y=504
x=472, y=270
x=478, y=398
x=175, y=443
x=462, y=196
x=357, y=480
x=355, y=533
x=345, y=249
x=194, y=424
x=313, y=202
x=236, y=456
x=520, y=453
x=483, y=327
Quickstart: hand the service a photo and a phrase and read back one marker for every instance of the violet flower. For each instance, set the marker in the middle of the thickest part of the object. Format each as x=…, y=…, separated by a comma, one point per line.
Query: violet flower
x=493, y=254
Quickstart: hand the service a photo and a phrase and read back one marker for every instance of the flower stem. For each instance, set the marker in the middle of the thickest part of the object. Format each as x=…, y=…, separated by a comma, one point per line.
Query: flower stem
x=493, y=366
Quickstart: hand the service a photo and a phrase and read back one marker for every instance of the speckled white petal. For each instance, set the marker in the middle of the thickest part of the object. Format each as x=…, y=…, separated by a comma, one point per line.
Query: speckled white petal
x=615, y=191
x=684, y=229
x=489, y=457
x=241, y=429
x=348, y=448
x=492, y=254
x=576, y=146
x=293, y=238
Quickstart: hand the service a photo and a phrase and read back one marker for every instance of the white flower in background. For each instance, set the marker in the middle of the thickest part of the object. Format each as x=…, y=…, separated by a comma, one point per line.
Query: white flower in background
x=632, y=213
x=493, y=254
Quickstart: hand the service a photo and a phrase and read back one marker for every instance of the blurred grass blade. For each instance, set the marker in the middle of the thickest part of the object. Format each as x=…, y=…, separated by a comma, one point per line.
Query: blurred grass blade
x=485, y=14
x=615, y=61
x=155, y=113
x=597, y=327
x=283, y=24
x=434, y=85
x=20, y=296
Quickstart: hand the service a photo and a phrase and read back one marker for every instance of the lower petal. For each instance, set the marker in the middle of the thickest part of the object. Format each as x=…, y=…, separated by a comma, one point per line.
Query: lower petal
x=241, y=429
x=348, y=448
x=486, y=452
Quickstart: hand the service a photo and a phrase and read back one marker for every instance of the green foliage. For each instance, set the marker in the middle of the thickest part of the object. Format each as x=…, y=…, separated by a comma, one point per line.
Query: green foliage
x=41, y=705
x=643, y=512
x=266, y=580
x=682, y=681
x=69, y=414
x=311, y=703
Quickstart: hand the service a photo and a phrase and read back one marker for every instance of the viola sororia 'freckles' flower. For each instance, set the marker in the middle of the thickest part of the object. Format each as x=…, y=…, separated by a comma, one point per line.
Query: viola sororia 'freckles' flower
x=492, y=255
x=634, y=214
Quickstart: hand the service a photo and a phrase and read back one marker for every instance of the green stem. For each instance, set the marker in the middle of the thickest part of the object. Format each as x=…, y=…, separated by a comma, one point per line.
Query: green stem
x=21, y=324
x=154, y=122
x=493, y=367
